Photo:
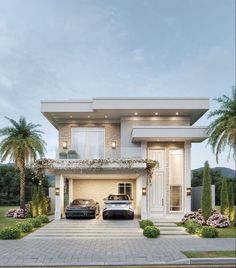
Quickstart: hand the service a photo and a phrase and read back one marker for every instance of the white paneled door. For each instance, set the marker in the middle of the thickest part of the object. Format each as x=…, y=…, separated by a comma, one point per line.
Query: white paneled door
x=156, y=187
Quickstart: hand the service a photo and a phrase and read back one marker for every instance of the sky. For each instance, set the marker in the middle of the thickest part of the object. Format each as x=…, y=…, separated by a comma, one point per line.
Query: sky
x=80, y=49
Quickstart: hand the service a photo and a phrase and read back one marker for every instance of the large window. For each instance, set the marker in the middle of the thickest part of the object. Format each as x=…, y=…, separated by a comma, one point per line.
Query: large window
x=125, y=188
x=176, y=175
x=88, y=142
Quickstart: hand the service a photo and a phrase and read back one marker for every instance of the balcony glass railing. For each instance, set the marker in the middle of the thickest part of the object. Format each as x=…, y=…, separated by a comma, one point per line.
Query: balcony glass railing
x=108, y=153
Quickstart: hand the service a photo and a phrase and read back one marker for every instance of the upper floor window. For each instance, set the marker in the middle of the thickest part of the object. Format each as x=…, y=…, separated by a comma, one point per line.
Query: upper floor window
x=88, y=142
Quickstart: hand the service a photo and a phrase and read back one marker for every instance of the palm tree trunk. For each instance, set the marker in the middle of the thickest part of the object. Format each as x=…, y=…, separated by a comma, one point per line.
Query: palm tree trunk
x=22, y=182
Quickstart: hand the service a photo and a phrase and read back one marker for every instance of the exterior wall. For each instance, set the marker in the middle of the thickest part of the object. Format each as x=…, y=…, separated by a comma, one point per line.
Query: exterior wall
x=128, y=123
x=112, y=133
x=98, y=189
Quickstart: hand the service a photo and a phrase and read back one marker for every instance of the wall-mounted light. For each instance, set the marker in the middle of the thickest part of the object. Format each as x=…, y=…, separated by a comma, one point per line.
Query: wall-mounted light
x=144, y=191
x=189, y=191
x=65, y=145
x=113, y=145
x=57, y=191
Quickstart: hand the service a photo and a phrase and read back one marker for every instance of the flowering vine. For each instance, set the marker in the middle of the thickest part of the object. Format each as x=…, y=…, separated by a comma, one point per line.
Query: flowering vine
x=70, y=164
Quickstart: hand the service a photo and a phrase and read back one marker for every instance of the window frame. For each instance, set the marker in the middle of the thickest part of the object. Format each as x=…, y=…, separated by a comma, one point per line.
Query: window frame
x=132, y=188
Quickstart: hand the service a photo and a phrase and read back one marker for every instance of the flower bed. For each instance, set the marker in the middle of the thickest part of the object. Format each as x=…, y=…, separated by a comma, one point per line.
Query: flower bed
x=215, y=220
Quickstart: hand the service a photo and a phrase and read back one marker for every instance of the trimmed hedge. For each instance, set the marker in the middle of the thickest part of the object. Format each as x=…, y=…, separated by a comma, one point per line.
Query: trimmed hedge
x=35, y=222
x=43, y=218
x=24, y=227
x=9, y=233
x=151, y=232
x=145, y=223
x=192, y=226
x=209, y=232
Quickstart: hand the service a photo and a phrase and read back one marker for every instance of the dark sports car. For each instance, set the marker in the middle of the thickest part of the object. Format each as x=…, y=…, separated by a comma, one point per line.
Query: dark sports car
x=82, y=208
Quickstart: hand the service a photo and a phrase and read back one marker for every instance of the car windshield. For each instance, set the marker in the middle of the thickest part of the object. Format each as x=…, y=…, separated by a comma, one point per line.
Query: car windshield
x=118, y=197
x=77, y=202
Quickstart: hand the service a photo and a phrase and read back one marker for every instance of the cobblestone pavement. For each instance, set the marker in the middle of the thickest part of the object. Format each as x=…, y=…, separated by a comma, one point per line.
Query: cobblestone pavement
x=63, y=249
x=105, y=251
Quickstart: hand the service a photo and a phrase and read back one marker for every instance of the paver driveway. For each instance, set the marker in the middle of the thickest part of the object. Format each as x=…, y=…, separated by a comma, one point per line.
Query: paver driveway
x=89, y=229
x=63, y=248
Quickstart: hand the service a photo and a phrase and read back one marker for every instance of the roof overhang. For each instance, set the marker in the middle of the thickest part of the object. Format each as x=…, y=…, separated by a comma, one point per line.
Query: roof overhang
x=169, y=133
x=70, y=111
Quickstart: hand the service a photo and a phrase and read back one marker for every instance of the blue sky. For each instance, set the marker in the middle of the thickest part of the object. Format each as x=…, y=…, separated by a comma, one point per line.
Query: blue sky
x=83, y=49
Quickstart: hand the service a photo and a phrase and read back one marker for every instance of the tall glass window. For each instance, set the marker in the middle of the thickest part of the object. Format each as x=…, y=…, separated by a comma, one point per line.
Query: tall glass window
x=176, y=176
x=88, y=142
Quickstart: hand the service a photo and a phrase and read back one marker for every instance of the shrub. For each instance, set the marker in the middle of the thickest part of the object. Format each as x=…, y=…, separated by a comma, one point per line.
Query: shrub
x=218, y=220
x=35, y=222
x=196, y=215
x=224, y=199
x=43, y=218
x=10, y=213
x=145, y=223
x=231, y=201
x=192, y=226
x=151, y=232
x=40, y=203
x=9, y=233
x=206, y=192
x=209, y=232
x=24, y=227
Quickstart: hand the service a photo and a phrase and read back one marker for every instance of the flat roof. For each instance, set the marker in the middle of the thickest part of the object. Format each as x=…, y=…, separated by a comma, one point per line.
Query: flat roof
x=63, y=111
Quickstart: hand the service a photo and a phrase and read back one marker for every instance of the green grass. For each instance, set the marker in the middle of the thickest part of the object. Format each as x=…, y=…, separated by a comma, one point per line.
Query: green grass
x=210, y=254
x=7, y=222
x=227, y=232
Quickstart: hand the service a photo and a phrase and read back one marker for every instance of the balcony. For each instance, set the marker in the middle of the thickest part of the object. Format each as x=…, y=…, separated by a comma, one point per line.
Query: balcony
x=131, y=153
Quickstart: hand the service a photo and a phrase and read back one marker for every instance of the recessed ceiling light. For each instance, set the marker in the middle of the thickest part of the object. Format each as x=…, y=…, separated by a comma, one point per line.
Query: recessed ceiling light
x=177, y=113
x=88, y=116
x=156, y=113
x=135, y=113
x=106, y=116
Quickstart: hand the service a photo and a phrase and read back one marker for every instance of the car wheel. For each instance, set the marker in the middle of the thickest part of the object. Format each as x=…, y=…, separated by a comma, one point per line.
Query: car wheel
x=104, y=217
x=131, y=217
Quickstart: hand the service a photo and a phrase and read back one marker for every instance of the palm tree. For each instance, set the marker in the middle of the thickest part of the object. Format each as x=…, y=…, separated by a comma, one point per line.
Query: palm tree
x=222, y=130
x=23, y=143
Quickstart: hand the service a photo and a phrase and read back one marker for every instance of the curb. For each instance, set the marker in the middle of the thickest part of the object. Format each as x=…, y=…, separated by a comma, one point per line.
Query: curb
x=212, y=260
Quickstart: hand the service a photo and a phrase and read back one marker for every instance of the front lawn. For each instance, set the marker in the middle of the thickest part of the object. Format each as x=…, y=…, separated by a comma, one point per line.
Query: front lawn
x=7, y=222
x=227, y=232
x=209, y=254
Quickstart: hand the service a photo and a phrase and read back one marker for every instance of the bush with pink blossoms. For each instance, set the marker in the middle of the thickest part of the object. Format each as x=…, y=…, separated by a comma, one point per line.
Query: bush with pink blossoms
x=196, y=215
x=215, y=220
x=218, y=220
x=10, y=213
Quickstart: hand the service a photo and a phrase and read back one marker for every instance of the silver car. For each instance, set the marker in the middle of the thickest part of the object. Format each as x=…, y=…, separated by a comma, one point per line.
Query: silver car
x=118, y=206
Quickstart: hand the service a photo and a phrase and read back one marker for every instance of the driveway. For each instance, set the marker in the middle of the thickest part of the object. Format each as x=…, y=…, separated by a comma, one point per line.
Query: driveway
x=97, y=242
x=89, y=229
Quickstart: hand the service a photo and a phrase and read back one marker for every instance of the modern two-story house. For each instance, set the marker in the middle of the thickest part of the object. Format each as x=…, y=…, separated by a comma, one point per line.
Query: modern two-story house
x=120, y=133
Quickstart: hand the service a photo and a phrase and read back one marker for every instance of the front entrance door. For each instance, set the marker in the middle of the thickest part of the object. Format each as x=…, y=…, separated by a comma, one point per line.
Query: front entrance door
x=156, y=187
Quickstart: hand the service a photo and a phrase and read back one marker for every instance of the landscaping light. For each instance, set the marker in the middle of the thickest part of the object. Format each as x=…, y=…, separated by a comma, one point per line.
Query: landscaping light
x=113, y=144
x=57, y=191
x=189, y=191
x=144, y=191
x=65, y=144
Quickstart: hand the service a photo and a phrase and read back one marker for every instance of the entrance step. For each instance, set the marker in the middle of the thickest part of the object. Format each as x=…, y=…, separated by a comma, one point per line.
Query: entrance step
x=170, y=228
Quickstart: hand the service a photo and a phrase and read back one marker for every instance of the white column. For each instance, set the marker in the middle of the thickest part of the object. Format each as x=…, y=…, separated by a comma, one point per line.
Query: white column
x=144, y=204
x=71, y=190
x=187, y=184
x=59, y=199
